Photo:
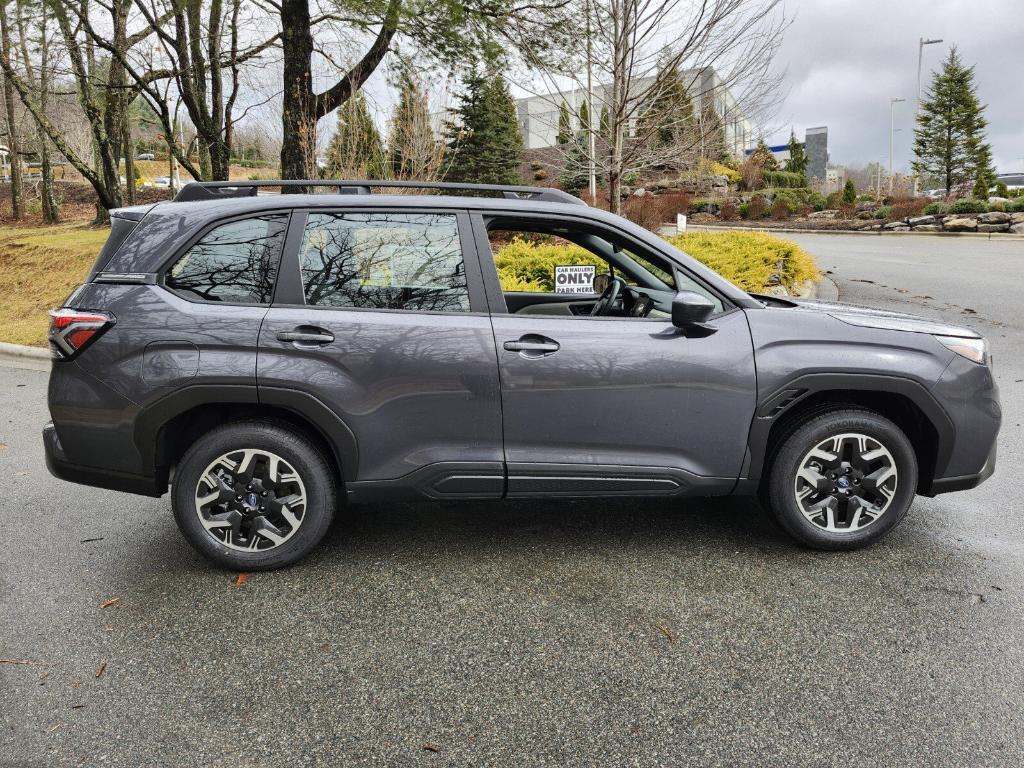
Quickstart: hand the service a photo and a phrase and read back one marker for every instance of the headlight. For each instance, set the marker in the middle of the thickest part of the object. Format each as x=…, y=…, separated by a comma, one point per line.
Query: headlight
x=975, y=350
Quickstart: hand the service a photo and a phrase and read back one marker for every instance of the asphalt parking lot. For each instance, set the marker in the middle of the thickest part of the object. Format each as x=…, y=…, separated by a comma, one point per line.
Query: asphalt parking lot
x=587, y=633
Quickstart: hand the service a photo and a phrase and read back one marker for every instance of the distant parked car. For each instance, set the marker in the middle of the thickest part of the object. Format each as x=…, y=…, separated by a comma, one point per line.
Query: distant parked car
x=146, y=156
x=162, y=181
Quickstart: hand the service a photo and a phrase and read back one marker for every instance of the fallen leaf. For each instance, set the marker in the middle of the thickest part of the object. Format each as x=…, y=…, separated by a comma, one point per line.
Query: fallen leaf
x=108, y=627
x=431, y=747
x=76, y=684
x=86, y=541
x=110, y=602
x=242, y=578
x=101, y=670
x=26, y=662
x=666, y=632
x=78, y=706
x=969, y=311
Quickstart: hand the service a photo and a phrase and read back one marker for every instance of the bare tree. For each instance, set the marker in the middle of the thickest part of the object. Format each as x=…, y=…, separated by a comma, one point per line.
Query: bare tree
x=639, y=49
x=13, y=145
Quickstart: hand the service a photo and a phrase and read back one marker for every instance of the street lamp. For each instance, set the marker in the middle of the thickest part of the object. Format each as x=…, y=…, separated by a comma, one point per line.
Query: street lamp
x=921, y=43
x=892, y=125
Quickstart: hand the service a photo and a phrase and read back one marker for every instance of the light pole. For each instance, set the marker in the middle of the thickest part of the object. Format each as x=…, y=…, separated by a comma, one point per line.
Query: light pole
x=921, y=43
x=892, y=125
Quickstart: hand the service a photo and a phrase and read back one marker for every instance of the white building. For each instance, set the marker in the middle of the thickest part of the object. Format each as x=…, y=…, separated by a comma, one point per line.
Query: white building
x=538, y=115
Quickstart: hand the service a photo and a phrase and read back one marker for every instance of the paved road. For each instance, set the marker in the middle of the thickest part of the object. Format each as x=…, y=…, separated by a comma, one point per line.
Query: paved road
x=536, y=633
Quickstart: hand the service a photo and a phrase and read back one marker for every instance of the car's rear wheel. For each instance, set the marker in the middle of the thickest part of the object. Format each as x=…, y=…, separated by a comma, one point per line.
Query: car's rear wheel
x=842, y=479
x=253, y=496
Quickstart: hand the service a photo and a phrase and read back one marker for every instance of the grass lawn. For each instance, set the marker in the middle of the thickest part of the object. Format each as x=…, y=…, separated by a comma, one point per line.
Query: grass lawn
x=39, y=266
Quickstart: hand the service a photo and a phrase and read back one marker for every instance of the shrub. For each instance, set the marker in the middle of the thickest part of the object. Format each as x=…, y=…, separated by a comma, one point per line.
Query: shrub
x=728, y=211
x=834, y=200
x=780, y=210
x=784, y=179
x=719, y=169
x=904, y=207
x=749, y=259
x=540, y=174
x=1016, y=205
x=997, y=206
x=643, y=211
x=672, y=203
x=849, y=192
x=969, y=205
x=757, y=208
x=936, y=209
x=884, y=212
x=530, y=266
x=744, y=210
x=789, y=198
x=816, y=200
x=1001, y=189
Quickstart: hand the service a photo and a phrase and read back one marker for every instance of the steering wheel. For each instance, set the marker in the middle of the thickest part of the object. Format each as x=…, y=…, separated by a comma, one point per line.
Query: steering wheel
x=608, y=298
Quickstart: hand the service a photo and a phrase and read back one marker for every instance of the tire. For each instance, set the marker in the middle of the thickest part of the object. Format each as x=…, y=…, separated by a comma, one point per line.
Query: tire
x=245, y=526
x=834, y=505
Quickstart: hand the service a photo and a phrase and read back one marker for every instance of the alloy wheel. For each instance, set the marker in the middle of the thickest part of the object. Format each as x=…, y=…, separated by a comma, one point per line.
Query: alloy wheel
x=846, y=482
x=250, y=500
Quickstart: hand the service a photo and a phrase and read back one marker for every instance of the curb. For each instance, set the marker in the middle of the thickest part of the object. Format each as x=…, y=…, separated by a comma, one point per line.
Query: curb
x=825, y=290
x=21, y=356
x=1003, y=236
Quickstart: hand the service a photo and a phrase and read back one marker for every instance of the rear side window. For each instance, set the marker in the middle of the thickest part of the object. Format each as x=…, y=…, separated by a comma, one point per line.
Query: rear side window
x=235, y=262
x=409, y=261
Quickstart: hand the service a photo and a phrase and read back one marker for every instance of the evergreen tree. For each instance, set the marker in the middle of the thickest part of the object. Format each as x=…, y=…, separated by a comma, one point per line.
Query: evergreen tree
x=564, y=125
x=849, y=192
x=984, y=173
x=764, y=157
x=949, y=140
x=486, y=144
x=356, y=150
x=411, y=144
x=669, y=117
x=584, y=117
x=575, y=176
x=605, y=128
x=797, y=159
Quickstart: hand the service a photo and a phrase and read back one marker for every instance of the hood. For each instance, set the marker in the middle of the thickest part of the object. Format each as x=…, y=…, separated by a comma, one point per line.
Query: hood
x=874, y=318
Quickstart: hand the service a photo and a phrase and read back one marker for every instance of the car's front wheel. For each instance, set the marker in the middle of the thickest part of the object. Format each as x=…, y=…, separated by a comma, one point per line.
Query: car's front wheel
x=253, y=496
x=842, y=479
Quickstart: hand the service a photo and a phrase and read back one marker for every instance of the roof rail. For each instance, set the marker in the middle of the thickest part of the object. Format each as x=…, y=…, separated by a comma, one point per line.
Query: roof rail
x=218, y=190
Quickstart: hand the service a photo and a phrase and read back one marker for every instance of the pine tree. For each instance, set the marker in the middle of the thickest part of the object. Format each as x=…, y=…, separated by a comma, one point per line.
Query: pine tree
x=669, y=117
x=485, y=142
x=564, y=125
x=797, y=159
x=949, y=140
x=605, y=129
x=356, y=150
x=575, y=176
x=984, y=173
x=412, y=147
x=849, y=192
x=764, y=157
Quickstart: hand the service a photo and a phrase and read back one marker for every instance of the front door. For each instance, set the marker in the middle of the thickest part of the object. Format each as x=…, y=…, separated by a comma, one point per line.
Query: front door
x=622, y=402
x=385, y=324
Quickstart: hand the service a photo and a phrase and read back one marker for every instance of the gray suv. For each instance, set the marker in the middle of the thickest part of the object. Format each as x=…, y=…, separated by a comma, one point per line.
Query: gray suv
x=272, y=356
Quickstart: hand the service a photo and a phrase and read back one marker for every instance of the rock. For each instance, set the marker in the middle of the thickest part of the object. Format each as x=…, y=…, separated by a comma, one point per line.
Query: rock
x=994, y=227
x=928, y=228
x=640, y=192
x=960, y=224
x=869, y=228
x=994, y=217
x=918, y=221
x=863, y=215
x=1017, y=218
x=826, y=214
x=1017, y=229
x=895, y=225
x=867, y=206
x=999, y=199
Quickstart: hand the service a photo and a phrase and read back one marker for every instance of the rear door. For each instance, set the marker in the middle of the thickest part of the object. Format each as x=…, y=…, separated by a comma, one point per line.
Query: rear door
x=381, y=316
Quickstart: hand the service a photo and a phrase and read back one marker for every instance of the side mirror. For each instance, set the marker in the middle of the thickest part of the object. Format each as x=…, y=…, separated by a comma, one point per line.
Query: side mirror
x=690, y=309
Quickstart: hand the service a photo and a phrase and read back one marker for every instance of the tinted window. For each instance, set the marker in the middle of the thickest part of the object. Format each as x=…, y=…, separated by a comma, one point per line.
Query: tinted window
x=236, y=262
x=384, y=261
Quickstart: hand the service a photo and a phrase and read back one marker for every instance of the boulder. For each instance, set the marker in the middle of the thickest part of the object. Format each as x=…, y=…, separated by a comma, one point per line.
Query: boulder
x=1017, y=218
x=1017, y=229
x=918, y=221
x=994, y=227
x=826, y=214
x=895, y=225
x=994, y=217
x=960, y=224
x=928, y=228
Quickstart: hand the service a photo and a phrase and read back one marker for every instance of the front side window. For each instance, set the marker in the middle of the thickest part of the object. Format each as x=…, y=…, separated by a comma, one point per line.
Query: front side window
x=235, y=262
x=409, y=261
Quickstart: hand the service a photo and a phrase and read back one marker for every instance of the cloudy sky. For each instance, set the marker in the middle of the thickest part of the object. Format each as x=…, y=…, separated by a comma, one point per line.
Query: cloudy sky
x=846, y=58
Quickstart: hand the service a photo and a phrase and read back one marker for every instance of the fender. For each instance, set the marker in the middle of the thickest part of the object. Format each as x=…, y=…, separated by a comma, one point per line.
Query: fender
x=152, y=418
x=771, y=408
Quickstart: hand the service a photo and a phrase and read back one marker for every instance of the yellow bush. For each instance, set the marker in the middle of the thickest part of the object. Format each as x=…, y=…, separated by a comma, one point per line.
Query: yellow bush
x=718, y=169
x=526, y=266
x=749, y=259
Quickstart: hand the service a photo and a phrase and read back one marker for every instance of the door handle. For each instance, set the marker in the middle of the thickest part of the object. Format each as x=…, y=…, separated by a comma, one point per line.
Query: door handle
x=532, y=346
x=318, y=336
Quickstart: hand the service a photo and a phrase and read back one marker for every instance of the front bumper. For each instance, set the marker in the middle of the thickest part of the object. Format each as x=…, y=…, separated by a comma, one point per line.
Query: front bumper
x=59, y=466
x=963, y=482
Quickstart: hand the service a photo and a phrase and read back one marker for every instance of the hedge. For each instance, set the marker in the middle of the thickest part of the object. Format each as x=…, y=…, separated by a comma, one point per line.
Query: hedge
x=748, y=259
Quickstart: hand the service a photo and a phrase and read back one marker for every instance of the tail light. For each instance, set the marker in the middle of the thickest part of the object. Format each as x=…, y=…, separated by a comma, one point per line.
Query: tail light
x=72, y=330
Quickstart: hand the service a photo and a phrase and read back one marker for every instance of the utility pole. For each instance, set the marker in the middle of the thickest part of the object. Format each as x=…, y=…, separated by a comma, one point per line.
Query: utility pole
x=921, y=43
x=892, y=125
x=592, y=148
